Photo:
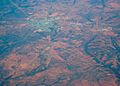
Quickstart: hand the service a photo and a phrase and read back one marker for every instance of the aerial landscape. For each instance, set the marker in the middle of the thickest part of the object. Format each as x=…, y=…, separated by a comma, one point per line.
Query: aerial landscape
x=59, y=42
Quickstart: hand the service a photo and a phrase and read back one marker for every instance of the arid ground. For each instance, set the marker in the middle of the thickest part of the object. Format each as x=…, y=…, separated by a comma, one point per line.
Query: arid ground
x=59, y=42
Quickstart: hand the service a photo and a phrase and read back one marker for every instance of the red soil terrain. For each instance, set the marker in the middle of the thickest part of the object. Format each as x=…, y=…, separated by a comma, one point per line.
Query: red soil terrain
x=60, y=43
